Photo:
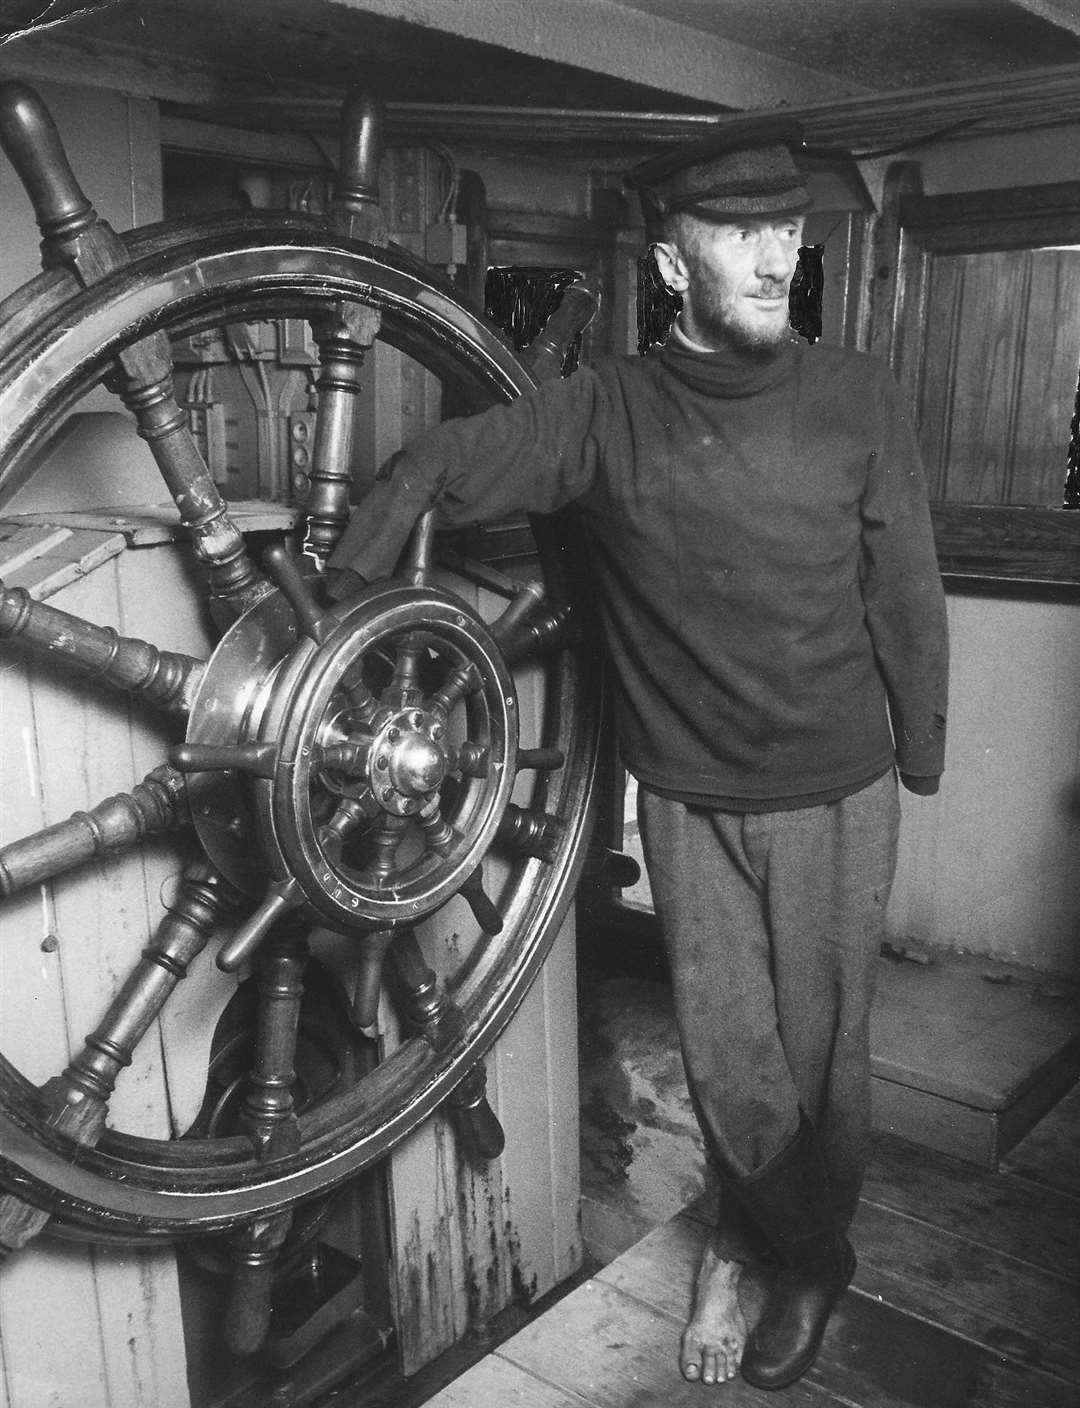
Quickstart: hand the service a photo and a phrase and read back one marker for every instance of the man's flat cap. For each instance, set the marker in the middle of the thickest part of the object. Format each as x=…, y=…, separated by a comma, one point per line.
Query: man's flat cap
x=746, y=168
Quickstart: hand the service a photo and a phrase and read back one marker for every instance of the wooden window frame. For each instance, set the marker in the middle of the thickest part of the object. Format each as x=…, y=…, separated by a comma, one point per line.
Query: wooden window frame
x=979, y=545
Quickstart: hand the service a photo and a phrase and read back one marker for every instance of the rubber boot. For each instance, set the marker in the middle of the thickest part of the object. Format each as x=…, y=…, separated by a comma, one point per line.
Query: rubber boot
x=790, y=1201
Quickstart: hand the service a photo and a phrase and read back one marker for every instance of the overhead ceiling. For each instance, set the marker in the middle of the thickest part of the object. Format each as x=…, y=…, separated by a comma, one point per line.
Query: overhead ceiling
x=891, y=44
x=634, y=55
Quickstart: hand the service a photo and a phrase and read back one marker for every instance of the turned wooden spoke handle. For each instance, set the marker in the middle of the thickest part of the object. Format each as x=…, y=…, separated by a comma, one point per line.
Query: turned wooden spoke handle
x=254, y=1254
x=32, y=144
x=355, y=207
x=476, y=1122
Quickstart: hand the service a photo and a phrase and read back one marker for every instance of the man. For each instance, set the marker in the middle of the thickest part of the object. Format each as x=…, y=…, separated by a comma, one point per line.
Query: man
x=771, y=603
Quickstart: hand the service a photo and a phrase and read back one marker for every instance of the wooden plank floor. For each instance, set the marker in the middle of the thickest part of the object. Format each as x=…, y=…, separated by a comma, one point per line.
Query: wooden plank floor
x=967, y=1295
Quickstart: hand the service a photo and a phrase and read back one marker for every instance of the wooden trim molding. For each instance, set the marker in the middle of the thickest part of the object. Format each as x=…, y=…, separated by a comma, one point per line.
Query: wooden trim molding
x=996, y=544
x=1018, y=217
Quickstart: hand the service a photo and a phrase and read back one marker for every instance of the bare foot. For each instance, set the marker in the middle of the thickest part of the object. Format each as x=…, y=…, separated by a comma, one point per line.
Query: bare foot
x=712, y=1343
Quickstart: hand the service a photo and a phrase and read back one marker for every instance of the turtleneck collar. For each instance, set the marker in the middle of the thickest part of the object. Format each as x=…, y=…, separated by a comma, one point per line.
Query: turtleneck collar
x=726, y=373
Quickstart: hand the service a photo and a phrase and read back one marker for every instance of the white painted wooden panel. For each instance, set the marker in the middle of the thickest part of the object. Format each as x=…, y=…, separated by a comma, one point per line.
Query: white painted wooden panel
x=991, y=865
x=122, y=1343
x=468, y=1241
x=66, y=743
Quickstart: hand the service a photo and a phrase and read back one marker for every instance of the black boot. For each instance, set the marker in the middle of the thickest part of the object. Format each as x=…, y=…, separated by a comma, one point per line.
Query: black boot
x=790, y=1201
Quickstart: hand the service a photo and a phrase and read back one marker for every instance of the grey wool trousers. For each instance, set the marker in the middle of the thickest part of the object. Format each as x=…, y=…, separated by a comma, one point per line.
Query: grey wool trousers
x=773, y=923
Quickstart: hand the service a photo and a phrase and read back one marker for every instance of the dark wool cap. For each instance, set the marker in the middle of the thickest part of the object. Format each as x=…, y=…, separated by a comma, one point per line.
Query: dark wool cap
x=746, y=168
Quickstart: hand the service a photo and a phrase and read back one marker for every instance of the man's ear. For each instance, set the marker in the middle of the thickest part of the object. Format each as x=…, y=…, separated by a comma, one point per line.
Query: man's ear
x=671, y=266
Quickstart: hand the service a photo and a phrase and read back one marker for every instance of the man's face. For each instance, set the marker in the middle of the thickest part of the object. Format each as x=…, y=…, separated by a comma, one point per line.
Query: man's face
x=736, y=279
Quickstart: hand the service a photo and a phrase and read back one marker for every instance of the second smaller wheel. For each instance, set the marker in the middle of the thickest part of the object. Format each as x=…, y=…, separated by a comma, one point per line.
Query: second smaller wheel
x=381, y=739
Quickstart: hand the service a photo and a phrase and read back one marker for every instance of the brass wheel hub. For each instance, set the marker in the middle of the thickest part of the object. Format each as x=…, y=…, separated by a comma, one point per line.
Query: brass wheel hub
x=408, y=760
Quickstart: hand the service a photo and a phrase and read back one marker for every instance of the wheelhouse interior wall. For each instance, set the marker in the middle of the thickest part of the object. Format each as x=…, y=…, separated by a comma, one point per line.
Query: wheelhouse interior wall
x=990, y=866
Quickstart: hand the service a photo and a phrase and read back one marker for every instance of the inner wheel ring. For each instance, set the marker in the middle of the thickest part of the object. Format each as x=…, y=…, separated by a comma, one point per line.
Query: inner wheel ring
x=296, y=719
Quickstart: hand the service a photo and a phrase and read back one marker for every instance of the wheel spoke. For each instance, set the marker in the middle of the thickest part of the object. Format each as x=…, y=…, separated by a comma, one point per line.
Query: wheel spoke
x=343, y=337
x=532, y=625
x=362, y=703
x=461, y=682
x=350, y=814
x=312, y=620
x=425, y=1004
x=143, y=380
x=385, y=840
x=355, y=208
x=281, y=897
x=481, y=574
x=268, y=1115
x=539, y=759
x=483, y=908
x=439, y=835
x=437, y=1018
x=73, y=235
x=526, y=600
x=403, y=691
x=372, y=953
x=164, y=677
x=348, y=759
x=268, y=1118
x=159, y=803
x=254, y=1251
x=420, y=556
x=471, y=760
x=255, y=759
x=440, y=838
x=528, y=832
x=477, y=1123
x=76, y=1103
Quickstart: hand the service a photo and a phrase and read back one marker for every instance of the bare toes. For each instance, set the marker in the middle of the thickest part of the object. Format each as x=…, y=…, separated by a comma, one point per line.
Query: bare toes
x=689, y=1359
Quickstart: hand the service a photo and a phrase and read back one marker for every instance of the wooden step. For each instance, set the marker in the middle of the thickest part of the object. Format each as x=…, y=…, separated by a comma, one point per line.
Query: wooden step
x=969, y=1053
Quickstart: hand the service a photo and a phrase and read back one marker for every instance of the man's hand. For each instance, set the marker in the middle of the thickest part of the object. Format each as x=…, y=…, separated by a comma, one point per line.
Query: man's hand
x=921, y=786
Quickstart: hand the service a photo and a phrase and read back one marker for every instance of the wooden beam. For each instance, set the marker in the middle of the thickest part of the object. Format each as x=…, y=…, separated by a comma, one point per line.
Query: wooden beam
x=54, y=57
x=606, y=37
x=599, y=36
x=1003, y=544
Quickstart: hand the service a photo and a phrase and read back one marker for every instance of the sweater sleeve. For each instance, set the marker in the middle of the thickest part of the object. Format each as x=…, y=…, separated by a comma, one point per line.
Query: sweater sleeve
x=904, y=598
x=533, y=454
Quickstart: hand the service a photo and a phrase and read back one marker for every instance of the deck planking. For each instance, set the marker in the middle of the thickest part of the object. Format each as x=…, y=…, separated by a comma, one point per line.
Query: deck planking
x=967, y=1295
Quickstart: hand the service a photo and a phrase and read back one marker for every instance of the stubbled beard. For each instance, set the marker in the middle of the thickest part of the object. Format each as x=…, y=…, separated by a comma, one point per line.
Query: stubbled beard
x=724, y=330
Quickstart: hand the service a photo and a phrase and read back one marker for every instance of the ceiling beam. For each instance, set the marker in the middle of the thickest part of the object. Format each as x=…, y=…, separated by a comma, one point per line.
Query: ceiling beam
x=600, y=36
x=606, y=37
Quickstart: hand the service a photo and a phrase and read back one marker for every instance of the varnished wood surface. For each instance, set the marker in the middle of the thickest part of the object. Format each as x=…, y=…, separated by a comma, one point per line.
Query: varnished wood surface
x=1002, y=545
x=965, y=1296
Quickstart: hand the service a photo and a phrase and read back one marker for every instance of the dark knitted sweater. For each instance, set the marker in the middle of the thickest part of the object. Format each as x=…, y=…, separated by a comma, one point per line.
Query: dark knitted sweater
x=763, y=546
